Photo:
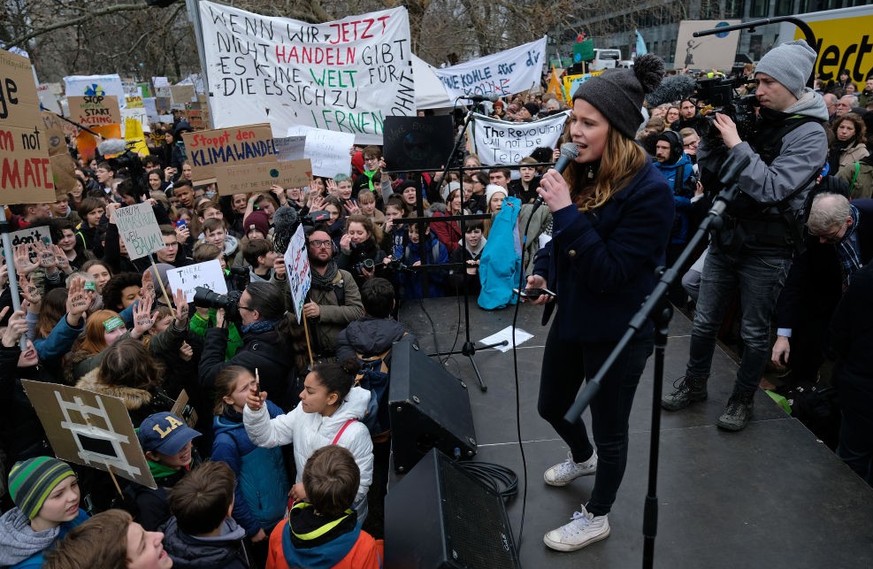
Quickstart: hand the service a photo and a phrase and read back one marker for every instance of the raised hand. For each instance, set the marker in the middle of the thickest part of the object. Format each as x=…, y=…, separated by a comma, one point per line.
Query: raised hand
x=78, y=301
x=62, y=260
x=143, y=320
x=186, y=352
x=45, y=256
x=23, y=263
x=181, y=309
x=331, y=186
x=16, y=327
x=29, y=291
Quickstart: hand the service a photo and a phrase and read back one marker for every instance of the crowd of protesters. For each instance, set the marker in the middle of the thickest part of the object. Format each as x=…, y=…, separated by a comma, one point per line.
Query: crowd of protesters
x=94, y=318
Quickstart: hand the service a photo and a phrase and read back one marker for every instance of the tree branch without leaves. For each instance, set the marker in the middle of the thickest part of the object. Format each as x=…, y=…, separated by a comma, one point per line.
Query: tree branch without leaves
x=20, y=41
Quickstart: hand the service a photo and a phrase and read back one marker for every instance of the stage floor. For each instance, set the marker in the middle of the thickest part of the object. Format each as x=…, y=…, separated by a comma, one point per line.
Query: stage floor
x=771, y=496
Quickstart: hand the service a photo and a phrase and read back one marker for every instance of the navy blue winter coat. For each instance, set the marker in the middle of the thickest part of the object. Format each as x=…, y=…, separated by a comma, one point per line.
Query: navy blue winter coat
x=602, y=263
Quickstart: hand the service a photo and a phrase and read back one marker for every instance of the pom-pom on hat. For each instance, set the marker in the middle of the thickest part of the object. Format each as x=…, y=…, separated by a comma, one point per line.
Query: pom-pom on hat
x=32, y=481
x=789, y=63
x=618, y=93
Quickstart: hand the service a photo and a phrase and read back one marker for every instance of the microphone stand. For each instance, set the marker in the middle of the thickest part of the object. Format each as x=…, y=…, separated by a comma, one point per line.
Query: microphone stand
x=660, y=311
x=469, y=347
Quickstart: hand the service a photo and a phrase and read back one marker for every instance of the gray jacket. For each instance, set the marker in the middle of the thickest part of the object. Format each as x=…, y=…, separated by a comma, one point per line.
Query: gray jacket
x=803, y=153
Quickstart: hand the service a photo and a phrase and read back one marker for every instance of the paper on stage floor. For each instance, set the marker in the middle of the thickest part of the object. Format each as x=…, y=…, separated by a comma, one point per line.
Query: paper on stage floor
x=506, y=334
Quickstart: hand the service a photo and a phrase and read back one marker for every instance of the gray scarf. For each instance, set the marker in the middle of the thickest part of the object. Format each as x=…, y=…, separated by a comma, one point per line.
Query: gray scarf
x=325, y=281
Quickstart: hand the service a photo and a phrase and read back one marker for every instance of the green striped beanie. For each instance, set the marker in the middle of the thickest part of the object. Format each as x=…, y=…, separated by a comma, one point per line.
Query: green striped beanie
x=31, y=481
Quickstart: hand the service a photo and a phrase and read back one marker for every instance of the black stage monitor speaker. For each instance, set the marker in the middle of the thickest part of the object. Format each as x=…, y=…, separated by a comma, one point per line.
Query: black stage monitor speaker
x=440, y=517
x=428, y=407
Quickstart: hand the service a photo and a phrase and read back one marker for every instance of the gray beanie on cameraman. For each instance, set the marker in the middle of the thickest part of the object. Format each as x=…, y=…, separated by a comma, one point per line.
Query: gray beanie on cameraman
x=789, y=63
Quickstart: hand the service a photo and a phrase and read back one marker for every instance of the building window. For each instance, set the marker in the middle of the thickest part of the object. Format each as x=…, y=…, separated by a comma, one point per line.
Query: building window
x=784, y=7
x=758, y=8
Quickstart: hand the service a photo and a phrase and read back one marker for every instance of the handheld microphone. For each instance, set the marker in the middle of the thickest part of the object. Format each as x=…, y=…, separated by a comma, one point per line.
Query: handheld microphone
x=672, y=89
x=480, y=98
x=569, y=152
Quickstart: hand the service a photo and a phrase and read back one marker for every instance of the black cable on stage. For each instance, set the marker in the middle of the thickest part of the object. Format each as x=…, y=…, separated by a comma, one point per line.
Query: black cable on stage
x=522, y=281
x=500, y=479
x=457, y=332
x=432, y=325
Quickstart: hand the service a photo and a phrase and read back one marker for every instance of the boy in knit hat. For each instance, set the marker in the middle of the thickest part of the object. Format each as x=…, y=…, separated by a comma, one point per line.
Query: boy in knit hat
x=46, y=495
x=777, y=168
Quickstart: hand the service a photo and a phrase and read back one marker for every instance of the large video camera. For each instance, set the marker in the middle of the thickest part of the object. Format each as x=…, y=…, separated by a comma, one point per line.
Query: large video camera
x=205, y=298
x=720, y=94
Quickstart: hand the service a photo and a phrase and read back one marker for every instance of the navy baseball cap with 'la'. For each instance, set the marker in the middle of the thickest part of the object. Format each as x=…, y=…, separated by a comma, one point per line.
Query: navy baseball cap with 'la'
x=165, y=433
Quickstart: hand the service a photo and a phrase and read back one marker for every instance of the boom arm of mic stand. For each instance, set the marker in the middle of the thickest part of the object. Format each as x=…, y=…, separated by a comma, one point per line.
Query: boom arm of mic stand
x=713, y=219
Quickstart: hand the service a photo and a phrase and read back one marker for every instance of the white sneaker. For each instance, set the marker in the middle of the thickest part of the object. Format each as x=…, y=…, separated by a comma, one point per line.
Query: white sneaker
x=565, y=472
x=583, y=529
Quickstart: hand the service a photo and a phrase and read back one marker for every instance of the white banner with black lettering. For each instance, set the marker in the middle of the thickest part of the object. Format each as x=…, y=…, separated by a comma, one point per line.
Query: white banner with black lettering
x=346, y=75
x=499, y=142
x=504, y=73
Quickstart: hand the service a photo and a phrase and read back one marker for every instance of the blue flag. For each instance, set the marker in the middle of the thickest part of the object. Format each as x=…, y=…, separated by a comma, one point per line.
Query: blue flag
x=641, y=44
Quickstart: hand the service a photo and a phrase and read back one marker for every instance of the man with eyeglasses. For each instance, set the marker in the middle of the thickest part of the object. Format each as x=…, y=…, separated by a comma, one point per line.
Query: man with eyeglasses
x=334, y=297
x=171, y=253
x=845, y=105
x=840, y=243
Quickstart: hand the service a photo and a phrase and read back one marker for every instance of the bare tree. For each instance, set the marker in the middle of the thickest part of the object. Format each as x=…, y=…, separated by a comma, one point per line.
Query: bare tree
x=102, y=36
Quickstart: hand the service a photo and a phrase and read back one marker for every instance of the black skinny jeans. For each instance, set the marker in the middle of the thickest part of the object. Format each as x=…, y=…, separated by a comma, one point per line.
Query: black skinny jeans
x=565, y=366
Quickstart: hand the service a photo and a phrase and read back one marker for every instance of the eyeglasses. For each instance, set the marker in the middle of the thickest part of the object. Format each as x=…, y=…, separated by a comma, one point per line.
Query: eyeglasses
x=241, y=307
x=690, y=145
x=318, y=244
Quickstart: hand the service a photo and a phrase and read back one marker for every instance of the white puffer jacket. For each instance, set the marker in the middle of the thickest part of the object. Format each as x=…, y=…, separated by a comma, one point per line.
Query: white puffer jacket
x=311, y=431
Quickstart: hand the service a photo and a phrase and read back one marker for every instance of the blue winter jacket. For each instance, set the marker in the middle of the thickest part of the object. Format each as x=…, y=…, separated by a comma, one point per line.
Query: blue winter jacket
x=262, y=482
x=500, y=264
x=682, y=194
x=601, y=263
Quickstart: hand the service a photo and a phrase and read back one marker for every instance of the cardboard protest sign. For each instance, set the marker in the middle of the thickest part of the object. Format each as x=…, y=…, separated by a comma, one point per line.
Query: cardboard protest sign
x=63, y=165
x=707, y=52
x=258, y=177
x=328, y=150
x=345, y=76
x=499, y=142
x=504, y=73
x=208, y=275
x=25, y=170
x=91, y=429
x=236, y=145
x=31, y=236
x=94, y=110
x=418, y=143
x=139, y=230
x=299, y=275
x=181, y=94
x=50, y=96
x=134, y=102
x=184, y=410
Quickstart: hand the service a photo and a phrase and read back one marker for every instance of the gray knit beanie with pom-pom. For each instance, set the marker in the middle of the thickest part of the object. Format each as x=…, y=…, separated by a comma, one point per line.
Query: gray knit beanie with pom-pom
x=618, y=93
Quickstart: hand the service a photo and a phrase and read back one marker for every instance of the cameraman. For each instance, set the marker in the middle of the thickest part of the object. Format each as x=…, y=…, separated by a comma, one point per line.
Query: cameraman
x=265, y=348
x=762, y=226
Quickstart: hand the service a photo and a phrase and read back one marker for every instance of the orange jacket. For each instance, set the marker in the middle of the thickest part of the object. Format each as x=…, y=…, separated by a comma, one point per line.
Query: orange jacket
x=365, y=554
